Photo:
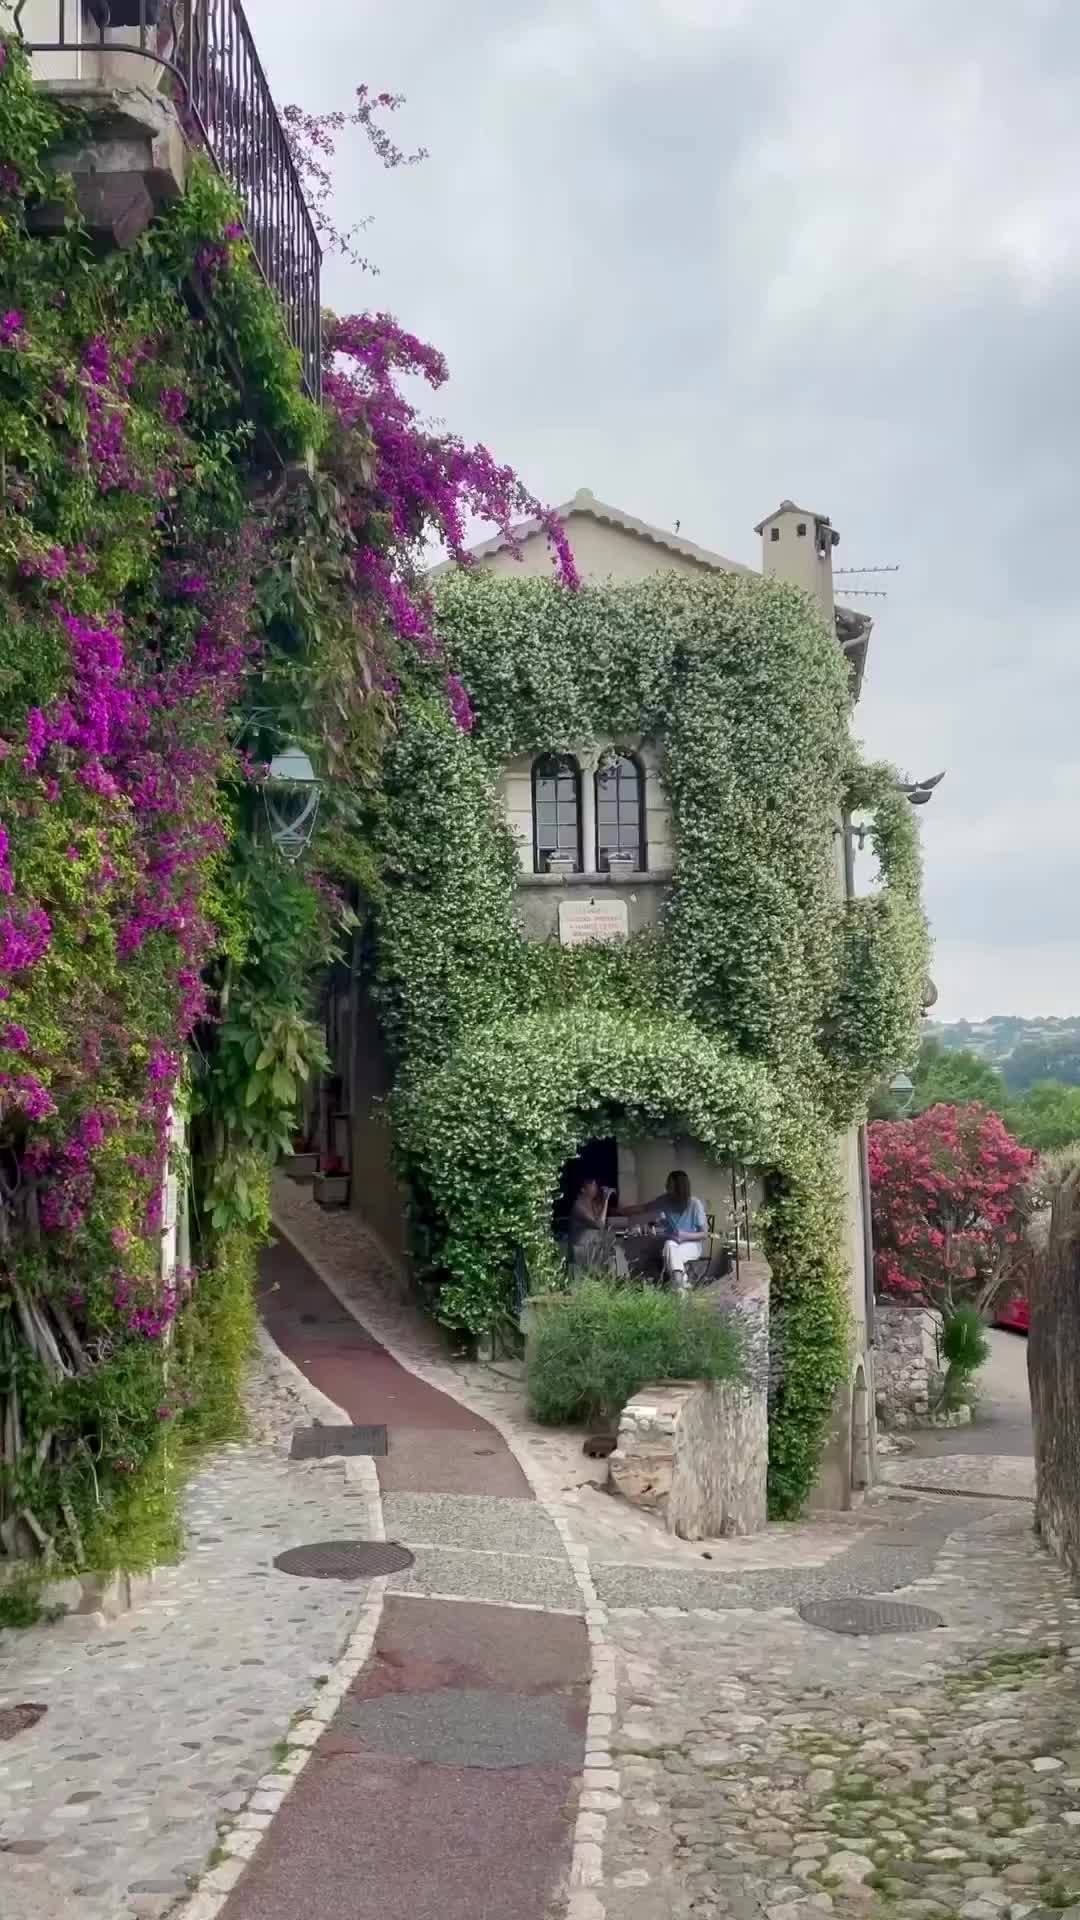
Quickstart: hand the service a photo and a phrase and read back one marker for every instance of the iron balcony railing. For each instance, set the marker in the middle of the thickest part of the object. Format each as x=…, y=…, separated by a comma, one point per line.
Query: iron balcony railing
x=208, y=63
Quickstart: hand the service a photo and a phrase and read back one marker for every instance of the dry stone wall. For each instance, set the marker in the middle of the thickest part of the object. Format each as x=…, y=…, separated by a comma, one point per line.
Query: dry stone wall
x=907, y=1369
x=1054, y=1374
x=698, y=1453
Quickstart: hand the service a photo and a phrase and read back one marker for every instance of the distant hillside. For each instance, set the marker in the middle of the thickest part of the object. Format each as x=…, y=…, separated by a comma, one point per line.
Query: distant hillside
x=1025, y=1050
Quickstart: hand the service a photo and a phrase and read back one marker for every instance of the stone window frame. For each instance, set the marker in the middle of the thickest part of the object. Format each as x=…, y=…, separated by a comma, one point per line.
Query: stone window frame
x=564, y=762
x=616, y=759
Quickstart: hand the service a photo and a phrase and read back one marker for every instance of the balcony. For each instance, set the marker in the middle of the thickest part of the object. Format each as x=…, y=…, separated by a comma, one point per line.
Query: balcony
x=154, y=74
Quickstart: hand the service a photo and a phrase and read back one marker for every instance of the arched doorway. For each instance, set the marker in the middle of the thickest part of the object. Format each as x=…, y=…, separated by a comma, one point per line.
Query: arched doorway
x=596, y=1159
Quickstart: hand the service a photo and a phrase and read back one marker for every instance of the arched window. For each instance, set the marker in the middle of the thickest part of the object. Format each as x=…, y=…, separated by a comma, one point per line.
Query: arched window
x=556, y=792
x=620, y=813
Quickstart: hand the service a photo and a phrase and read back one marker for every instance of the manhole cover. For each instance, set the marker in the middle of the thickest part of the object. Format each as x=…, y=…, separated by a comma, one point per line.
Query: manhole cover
x=16, y=1719
x=868, y=1616
x=328, y=1443
x=345, y=1559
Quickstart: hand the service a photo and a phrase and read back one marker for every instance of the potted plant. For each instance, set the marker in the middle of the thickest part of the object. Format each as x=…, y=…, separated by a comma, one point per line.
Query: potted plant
x=561, y=862
x=621, y=864
x=332, y=1182
x=303, y=1162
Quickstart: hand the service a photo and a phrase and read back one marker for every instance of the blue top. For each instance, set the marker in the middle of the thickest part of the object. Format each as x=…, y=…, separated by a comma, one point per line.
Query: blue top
x=691, y=1220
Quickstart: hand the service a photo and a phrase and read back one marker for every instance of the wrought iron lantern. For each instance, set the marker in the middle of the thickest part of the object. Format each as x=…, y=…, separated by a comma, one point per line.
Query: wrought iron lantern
x=902, y=1090
x=291, y=792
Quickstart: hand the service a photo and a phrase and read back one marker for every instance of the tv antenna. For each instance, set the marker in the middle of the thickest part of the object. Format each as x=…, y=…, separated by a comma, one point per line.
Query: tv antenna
x=864, y=593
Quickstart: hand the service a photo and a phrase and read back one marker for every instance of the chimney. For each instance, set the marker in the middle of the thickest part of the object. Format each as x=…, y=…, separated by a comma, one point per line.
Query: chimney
x=797, y=546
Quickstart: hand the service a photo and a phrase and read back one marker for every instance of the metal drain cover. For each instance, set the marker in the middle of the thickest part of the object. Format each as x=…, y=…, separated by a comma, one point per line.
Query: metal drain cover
x=345, y=1559
x=17, y=1719
x=329, y=1443
x=868, y=1616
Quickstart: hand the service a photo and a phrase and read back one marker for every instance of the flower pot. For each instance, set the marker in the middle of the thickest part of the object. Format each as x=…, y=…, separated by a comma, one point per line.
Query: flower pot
x=621, y=865
x=562, y=864
x=332, y=1189
x=301, y=1166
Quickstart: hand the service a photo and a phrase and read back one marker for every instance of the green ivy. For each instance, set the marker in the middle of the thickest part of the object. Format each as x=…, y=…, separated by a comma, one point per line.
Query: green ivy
x=755, y=1021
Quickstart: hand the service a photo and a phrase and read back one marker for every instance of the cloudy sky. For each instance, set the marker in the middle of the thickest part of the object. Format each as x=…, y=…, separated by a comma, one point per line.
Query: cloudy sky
x=699, y=254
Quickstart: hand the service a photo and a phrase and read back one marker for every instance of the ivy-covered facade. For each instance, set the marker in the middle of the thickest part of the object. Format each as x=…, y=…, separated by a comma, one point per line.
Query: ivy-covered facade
x=752, y=1003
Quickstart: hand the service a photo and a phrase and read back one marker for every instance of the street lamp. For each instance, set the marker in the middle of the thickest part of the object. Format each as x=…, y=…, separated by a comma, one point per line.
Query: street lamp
x=291, y=794
x=902, y=1090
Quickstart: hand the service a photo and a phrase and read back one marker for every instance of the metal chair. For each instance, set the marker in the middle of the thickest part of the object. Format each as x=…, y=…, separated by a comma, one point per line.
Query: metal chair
x=714, y=1265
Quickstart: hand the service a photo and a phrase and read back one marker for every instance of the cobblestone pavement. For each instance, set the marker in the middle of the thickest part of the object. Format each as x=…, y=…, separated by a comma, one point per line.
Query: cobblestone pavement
x=1000, y=1476
x=169, y=1715
x=769, y=1768
x=740, y=1762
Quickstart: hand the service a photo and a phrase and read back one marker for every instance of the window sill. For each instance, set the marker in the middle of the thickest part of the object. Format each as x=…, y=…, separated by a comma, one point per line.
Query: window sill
x=595, y=880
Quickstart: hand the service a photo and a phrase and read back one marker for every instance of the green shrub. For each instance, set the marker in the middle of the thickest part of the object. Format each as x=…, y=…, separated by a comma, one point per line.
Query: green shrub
x=964, y=1348
x=217, y=1338
x=592, y=1352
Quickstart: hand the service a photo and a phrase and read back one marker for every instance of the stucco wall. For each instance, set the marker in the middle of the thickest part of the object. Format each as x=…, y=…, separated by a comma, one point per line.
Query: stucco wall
x=601, y=552
x=644, y=1166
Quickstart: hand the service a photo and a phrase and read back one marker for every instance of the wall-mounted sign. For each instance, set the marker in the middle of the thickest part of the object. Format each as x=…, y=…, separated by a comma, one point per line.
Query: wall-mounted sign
x=582, y=920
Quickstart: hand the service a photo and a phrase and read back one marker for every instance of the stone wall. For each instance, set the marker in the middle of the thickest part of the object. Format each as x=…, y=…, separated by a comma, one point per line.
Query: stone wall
x=698, y=1453
x=1054, y=1370
x=907, y=1372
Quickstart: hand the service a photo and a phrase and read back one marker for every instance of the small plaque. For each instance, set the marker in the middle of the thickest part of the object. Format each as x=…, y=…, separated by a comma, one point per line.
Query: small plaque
x=582, y=920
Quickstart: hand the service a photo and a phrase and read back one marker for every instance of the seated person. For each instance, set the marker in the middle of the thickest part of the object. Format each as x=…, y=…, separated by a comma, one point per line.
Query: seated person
x=683, y=1222
x=590, y=1239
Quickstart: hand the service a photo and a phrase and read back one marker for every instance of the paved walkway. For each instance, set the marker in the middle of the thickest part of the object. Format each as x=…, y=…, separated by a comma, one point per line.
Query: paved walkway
x=444, y=1787
x=1002, y=1423
x=556, y=1710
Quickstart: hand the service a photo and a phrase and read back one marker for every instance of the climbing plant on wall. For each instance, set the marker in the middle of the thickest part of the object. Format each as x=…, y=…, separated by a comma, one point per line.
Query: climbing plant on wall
x=756, y=1020
x=197, y=562
x=131, y=552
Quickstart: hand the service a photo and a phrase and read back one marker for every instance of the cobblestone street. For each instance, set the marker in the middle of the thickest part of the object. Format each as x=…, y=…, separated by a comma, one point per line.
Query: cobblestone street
x=163, y=1720
x=739, y=1762
x=769, y=1768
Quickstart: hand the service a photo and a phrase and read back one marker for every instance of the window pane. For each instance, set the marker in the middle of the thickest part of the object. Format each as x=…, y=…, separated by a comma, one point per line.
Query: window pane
x=545, y=813
x=628, y=839
x=607, y=812
x=567, y=813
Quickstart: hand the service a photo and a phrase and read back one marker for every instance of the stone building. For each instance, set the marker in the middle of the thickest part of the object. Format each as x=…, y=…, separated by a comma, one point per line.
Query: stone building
x=596, y=852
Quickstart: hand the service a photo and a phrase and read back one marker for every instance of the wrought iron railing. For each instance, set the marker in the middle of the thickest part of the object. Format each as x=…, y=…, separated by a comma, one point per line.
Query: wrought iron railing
x=209, y=66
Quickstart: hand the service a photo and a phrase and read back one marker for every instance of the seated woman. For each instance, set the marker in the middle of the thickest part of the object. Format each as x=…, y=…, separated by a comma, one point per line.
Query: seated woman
x=589, y=1237
x=682, y=1219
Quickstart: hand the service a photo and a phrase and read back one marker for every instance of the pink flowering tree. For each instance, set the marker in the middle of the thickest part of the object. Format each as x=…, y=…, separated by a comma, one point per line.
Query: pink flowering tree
x=950, y=1197
x=403, y=486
